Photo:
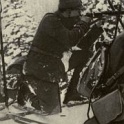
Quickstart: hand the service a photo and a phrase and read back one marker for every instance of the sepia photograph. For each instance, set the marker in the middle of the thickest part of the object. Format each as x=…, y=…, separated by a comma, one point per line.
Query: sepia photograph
x=61, y=61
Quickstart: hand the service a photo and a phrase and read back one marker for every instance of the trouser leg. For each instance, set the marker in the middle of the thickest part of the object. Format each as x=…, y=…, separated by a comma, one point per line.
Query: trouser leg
x=48, y=94
x=43, y=95
x=72, y=94
x=75, y=78
x=77, y=62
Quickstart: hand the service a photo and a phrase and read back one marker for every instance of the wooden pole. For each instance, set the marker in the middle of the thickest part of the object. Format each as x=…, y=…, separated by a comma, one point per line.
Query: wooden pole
x=3, y=61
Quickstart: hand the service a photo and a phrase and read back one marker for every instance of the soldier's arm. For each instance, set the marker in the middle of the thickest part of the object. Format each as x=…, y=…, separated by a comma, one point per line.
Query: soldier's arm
x=55, y=29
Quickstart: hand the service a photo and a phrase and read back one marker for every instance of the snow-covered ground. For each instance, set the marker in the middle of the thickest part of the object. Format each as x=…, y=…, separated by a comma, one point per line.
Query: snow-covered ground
x=69, y=115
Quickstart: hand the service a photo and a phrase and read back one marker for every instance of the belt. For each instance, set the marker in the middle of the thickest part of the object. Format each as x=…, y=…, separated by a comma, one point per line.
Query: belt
x=35, y=49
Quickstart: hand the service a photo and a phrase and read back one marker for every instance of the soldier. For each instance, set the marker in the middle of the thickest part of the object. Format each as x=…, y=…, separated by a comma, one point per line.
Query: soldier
x=57, y=33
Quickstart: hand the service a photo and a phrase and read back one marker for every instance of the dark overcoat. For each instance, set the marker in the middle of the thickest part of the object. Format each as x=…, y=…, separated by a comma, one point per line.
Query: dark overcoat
x=53, y=38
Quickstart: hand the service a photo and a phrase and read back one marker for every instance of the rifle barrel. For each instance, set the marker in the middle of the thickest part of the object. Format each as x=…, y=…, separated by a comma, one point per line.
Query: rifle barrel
x=100, y=14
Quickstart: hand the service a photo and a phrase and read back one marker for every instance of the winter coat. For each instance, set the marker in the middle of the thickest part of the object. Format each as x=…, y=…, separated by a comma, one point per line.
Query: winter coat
x=53, y=38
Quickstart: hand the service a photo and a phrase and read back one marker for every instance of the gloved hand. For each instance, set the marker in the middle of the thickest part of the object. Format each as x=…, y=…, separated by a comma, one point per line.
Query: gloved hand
x=83, y=24
x=85, y=19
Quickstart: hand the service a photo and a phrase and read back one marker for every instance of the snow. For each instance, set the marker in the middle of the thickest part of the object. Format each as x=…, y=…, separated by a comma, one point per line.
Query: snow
x=69, y=115
x=65, y=59
x=43, y=6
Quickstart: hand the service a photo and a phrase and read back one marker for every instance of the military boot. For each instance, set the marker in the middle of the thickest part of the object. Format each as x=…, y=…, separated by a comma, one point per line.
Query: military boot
x=73, y=95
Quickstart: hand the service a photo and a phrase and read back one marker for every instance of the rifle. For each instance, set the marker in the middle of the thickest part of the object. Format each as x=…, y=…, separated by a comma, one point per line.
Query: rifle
x=101, y=14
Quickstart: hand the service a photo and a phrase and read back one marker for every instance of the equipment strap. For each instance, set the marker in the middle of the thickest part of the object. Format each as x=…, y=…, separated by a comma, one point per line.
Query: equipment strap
x=35, y=49
x=115, y=76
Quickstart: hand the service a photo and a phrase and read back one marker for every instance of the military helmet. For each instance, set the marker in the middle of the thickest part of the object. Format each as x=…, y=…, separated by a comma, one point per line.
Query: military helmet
x=70, y=4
